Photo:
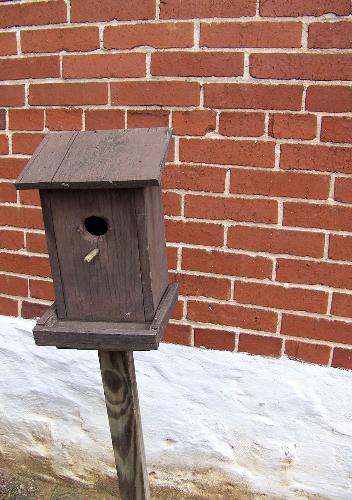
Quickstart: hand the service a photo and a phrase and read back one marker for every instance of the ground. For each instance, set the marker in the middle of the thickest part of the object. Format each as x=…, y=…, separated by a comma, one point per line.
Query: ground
x=22, y=487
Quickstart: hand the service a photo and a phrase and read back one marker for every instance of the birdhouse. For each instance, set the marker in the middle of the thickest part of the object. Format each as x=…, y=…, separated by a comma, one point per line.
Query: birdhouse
x=103, y=216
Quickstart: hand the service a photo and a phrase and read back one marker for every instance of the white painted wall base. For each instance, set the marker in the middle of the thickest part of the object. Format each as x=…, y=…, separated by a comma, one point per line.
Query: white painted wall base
x=282, y=427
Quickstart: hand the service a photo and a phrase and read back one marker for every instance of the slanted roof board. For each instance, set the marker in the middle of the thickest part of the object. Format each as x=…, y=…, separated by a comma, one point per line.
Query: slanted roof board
x=96, y=159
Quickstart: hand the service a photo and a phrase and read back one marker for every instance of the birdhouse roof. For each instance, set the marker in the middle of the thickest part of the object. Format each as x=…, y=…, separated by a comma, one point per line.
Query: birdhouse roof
x=97, y=159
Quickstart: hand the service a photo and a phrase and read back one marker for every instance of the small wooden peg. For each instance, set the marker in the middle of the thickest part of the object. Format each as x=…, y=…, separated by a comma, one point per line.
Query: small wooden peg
x=91, y=255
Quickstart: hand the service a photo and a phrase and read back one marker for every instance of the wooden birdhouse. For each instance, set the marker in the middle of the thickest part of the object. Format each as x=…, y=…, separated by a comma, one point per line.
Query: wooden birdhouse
x=102, y=209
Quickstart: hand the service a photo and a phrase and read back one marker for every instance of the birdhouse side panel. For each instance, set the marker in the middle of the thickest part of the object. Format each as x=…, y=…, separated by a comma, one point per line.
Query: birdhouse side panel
x=152, y=242
x=98, y=255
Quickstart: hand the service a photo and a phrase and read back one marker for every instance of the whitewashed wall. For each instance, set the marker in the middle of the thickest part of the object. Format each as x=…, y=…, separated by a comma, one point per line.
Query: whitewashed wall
x=282, y=427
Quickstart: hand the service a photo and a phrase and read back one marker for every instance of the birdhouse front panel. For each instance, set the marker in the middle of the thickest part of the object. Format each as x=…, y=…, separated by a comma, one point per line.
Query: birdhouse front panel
x=97, y=252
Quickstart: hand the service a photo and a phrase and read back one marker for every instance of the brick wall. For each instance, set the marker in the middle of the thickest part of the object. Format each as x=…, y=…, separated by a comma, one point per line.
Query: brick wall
x=258, y=187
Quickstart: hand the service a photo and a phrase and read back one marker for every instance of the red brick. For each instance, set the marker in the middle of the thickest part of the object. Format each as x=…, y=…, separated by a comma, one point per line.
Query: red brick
x=226, y=151
x=251, y=34
x=316, y=328
x=8, y=43
x=231, y=315
x=66, y=94
x=292, y=126
x=30, y=197
x=26, y=119
x=31, y=310
x=235, y=209
x=196, y=233
x=21, y=217
x=219, y=340
x=23, y=264
x=10, y=168
x=277, y=241
x=172, y=93
x=231, y=264
x=171, y=154
x=203, y=286
x=26, y=144
x=30, y=67
x=283, y=184
x=7, y=192
x=273, y=8
x=197, y=122
x=36, y=243
x=64, y=119
x=109, y=10
x=104, y=65
x=301, y=66
x=104, y=119
x=279, y=297
x=197, y=64
x=177, y=312
x=315, y=157
x=330, y=35
x=147, y=118
x=336, y=129
x=194, y=178
x=341, y=305
x=178, y=334
x=314, y=273
x=342, y=358
x=56, y=40
x=2, y=119
x=239, y=124
x=340, y=247
x=12, y=285
x=33, y=13
x=260, y=344
x=174, y=9
x=343, y=189
x=11, y=240
x=11, y=95
x=4, y=144
x=310, y=353
x=40, y=289
x=172, y=203
x=171, y=257
x=157, y=35
x=318, y=216
x=334, y=99
x=244, y=95
x=8, y=307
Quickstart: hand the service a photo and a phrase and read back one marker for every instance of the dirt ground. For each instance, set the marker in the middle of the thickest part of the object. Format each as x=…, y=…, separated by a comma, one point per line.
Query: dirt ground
x=23, y=487
x=34, y=478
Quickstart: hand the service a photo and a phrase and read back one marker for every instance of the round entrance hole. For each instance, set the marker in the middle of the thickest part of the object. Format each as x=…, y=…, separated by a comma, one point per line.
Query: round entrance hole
x=97, y=226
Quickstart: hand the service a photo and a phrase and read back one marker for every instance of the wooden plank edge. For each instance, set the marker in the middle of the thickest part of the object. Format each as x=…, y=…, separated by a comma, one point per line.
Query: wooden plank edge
x=47, y=333
x=96, y=341
x=89, y=184
x=164, y=311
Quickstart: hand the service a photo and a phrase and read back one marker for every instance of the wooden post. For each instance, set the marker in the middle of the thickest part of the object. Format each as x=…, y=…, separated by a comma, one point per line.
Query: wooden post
x=121, y=396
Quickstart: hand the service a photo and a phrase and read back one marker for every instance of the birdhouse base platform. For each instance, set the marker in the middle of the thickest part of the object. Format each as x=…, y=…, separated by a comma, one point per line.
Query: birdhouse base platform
x=105, y=335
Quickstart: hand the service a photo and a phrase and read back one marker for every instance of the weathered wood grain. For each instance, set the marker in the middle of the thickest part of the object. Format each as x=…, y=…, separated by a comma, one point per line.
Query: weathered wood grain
x=104, y=158
x=154, y=220
x=152, y=248
x=164, y=311
x=121, y=396
x=105, y=335
x=45, y=198
x=46, y=159
x=109, y=288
